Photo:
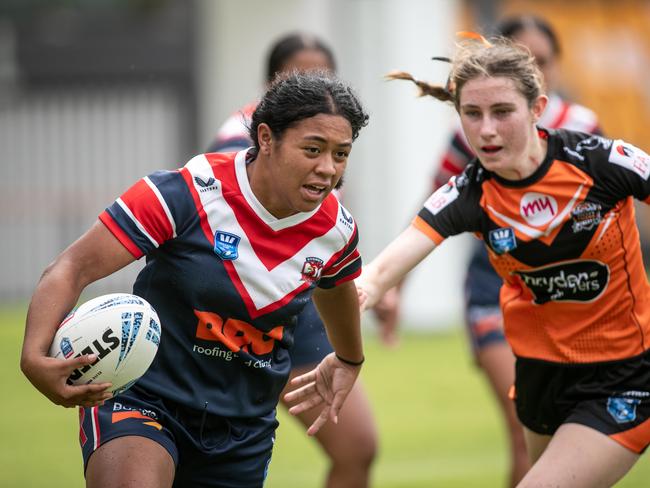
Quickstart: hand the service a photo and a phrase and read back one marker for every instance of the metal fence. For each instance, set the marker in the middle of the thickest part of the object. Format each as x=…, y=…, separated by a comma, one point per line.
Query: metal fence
x=65, y=154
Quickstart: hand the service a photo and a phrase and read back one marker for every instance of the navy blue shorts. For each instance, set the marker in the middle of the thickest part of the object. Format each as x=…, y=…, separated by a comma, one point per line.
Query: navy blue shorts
x=483, y=317
x=310, y=339
x=208, y=450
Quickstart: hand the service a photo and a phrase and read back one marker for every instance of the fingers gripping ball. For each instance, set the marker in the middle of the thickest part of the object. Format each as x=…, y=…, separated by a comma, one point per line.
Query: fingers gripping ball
x=124, y=332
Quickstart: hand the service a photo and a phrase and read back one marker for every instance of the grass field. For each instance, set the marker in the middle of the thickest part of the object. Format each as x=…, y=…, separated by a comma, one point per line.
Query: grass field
x=438, y=423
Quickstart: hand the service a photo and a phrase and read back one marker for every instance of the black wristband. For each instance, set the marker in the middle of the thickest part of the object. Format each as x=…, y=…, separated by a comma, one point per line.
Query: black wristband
x=351, y=363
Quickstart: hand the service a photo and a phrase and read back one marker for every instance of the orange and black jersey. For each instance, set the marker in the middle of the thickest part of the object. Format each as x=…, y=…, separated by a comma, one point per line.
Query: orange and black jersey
x=565, y=242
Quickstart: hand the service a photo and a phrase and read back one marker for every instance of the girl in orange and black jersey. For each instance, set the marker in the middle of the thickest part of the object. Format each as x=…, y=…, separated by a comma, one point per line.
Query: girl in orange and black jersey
x=554, y=208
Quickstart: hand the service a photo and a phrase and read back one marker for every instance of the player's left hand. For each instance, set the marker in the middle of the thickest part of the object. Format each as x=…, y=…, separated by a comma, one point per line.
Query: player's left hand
x=328, y=385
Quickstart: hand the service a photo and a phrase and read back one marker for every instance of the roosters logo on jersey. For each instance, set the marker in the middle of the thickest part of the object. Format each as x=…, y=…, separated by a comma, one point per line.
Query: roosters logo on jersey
x=312, y=269
x=502, y=240
x=537, y=209
x=572, y=281
x=226, y=245
x=630, y=157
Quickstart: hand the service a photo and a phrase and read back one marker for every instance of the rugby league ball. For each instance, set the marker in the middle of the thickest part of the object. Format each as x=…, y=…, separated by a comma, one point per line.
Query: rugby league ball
x=122, y=329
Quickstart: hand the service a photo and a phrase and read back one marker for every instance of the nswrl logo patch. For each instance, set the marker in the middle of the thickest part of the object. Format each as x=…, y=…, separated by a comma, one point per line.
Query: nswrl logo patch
x=502, y=240
x=226, y=245
x=622, y=409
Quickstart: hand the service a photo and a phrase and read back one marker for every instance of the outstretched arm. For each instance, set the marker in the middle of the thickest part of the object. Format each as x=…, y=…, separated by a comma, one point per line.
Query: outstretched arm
x=392, y=264
x=330, y=382
x=94, y=255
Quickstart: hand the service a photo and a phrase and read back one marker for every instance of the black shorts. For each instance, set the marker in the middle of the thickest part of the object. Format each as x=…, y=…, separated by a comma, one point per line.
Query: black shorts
x=611, y=397
x=208, y=450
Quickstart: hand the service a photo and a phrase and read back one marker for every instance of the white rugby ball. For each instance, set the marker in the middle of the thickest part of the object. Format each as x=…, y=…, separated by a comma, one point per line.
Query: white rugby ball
x=122, y=329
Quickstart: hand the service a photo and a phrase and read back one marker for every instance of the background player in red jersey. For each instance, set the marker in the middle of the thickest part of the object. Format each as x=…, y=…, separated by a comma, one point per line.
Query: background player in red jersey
x=236, y=245
x=555, y=210
x=352, y=443
x=482, y=313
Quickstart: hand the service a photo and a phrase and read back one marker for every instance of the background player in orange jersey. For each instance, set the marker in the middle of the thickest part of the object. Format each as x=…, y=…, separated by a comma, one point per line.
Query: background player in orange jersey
x=555, y=210
x=351, y=444
x=483, y=317
x=236, y=246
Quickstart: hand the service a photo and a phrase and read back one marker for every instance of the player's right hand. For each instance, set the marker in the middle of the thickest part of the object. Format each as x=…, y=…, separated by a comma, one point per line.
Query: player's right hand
x=49, y=376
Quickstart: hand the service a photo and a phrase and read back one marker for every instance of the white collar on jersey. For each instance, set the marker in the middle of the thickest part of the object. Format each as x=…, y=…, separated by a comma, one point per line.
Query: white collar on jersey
x=258, y=208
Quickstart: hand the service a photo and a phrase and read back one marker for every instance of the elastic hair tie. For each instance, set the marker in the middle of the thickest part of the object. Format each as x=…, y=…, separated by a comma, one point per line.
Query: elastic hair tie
x=475, y=36
x=351, y=363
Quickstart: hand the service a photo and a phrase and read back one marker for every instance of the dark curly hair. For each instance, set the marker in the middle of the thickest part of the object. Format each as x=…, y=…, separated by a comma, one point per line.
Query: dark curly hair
x=297, y=96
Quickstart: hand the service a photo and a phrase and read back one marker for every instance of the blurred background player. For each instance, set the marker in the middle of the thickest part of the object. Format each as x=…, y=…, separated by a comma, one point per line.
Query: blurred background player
x=352, y=443
x=483, y=317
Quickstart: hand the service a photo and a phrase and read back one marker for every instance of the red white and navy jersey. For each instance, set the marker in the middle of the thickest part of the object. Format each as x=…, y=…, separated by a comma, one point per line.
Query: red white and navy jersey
x=565, y=243
x=559, y=114
x=227, y=279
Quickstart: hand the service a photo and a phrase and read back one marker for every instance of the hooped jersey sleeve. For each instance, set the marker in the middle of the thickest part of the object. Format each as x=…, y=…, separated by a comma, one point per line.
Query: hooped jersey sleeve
x=346, y=264
x=154, y=210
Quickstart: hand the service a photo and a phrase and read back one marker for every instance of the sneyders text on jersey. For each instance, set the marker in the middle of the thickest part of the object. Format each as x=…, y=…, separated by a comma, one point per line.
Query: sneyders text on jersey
x=569, y=281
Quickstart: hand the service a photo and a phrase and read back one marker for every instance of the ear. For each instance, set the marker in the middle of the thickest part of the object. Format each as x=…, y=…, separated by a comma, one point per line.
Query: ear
x=538, y=107
x=264, y=138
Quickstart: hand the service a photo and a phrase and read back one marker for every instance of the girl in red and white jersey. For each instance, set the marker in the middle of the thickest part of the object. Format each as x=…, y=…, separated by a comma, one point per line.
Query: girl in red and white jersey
x=350, y=461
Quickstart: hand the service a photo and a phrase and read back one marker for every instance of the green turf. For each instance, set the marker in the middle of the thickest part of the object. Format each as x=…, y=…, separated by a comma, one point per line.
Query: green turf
x=438, y=423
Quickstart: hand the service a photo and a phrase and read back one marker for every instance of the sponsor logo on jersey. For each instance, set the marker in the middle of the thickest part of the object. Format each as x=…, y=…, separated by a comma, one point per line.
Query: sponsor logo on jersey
x=537, y=209
x=630, y=157
x=502, y=240
x=312, y=269
x=586, y=216
x=236, y=335
x=571, y=281
x=442, y=197
x=123, y=412
x=622, y=409
x=589, y=144
x=206, y=185
x=66, y=347
x=346, y=219
x=226, y=245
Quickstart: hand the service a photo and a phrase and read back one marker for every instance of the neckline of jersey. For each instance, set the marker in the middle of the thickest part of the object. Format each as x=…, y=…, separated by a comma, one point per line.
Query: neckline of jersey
x=247, y=192
x=541, y=170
